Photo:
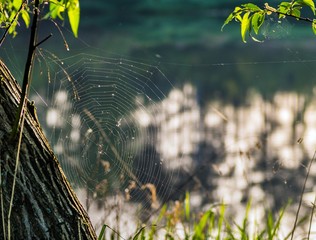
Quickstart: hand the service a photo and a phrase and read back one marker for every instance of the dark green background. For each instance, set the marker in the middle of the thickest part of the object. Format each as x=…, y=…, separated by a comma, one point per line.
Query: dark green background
x=184, y=39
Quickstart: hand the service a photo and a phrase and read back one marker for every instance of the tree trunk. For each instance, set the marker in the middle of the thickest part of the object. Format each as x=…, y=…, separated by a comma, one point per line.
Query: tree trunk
x=44, y=205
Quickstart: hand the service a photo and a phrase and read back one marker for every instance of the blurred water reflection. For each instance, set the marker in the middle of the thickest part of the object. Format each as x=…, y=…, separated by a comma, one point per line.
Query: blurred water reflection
x=220, y=152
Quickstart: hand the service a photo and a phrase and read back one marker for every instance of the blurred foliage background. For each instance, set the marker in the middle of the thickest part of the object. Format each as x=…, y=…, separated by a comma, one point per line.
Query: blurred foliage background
x=184, y=39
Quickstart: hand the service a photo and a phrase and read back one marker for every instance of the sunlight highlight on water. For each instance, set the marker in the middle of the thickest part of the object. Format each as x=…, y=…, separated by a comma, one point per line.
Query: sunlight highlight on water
x=243, y=148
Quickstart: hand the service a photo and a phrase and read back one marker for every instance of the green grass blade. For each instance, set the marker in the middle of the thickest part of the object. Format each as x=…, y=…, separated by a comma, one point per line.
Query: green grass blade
x=152, y=232
x=102, y=233
x=199, y=229
x=187, y=206
x=269, y=225
x=220, y=220
x=278, y=223
x=244, y=234
x=229, y=231
x=162, y=213
x=140, y=232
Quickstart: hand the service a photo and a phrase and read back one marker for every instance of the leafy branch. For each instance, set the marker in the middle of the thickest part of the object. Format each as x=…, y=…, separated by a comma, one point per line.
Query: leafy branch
x=251, y=17
x=10, y=11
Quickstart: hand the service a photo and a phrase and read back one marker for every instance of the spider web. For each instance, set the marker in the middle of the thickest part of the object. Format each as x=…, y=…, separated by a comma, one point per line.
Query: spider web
x=102, y=125
x=104, y=121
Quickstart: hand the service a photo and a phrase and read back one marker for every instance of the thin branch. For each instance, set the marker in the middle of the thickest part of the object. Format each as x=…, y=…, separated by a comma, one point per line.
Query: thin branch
x=271, y=9
x=296, y=17
x=27, y=71
x=61, y=34
x=302, y=193
x=44, y=40
x=311, y=218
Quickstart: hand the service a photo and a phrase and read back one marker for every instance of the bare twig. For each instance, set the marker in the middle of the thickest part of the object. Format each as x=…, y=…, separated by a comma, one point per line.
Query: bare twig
x=302, y=193
x=27, y=71
x=61, y=34
x=311, y=218
x=44, y=40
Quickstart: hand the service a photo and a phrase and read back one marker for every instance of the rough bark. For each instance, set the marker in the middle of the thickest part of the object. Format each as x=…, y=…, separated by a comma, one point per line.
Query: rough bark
x=44, y=204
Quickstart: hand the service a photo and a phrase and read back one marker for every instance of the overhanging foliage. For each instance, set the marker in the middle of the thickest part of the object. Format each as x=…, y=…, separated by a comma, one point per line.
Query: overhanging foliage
x=251, y=17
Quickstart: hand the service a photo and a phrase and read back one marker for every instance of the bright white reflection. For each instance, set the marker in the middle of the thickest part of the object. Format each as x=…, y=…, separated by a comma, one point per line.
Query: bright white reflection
x=61, y=97
x=75, y=121
x=53, y=118
x=75, y=135
x=212, y=119
x=143, y=118
x=240, y=136
x=58, y=148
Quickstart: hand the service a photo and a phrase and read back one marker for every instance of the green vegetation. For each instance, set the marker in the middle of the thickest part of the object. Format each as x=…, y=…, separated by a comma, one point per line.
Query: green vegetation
x=11, y=11
x=252, y=17
x=178, y=221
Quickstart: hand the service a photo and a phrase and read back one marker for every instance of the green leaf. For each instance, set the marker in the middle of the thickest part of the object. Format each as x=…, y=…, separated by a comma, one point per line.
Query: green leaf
x=314, y=26
x=74, y=15
x=296, y=12
x=12, y=29
x=284, y=7
x=256, y=40
x=228, y=20
x=251, y=7
x=56, y=9
x=309, y=3
x=257, y=21
x=245, y=26
x=26, y=18
x=234, y=15
x=17, y=4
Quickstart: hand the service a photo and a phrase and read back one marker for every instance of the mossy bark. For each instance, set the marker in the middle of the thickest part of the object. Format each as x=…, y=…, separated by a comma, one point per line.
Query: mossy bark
x=44, y=204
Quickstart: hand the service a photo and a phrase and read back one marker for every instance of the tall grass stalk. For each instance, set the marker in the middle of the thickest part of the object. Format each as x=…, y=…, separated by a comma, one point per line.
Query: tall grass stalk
x=244, y=228
x=311, y=218
x=220, y=221
x=301, y=196
x=272, y=226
